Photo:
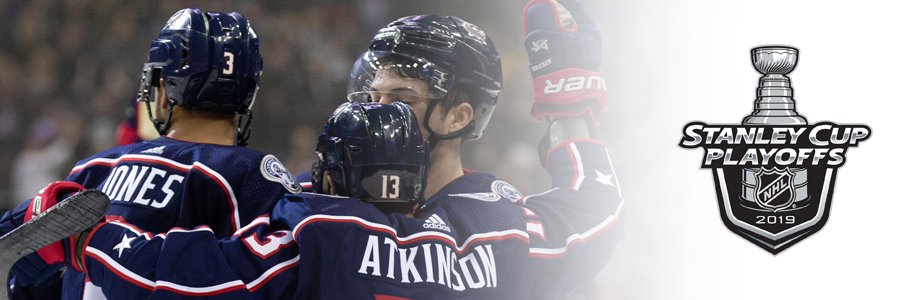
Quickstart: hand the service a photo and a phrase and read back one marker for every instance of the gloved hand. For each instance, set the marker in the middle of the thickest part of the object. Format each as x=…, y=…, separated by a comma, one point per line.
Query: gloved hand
x=563, y=45
x=38, y=268
x=47, y=198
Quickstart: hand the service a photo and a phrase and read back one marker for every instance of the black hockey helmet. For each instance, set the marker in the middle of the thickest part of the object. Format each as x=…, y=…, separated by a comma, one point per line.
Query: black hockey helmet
x=374, y=152
x=208, y=61
x=445, y=52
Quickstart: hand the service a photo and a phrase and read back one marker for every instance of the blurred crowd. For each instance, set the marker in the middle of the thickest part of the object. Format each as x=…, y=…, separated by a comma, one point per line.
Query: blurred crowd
x=69, y=69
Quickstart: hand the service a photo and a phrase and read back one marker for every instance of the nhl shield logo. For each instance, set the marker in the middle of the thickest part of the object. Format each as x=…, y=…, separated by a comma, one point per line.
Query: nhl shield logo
x=774, y=207
x=773, y=189
x=774, y=173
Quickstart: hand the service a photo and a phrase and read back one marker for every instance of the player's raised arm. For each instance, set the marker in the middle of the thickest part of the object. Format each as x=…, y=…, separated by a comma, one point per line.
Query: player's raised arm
x=573, y=226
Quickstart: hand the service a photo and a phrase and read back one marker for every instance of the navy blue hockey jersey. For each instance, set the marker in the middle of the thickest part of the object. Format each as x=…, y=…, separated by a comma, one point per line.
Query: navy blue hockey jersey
x=165, y=183
x=478, y=237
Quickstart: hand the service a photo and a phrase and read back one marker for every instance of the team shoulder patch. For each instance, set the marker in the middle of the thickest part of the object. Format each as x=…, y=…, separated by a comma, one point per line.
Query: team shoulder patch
x=499, y=190
x=506, y=190
x=273, y=170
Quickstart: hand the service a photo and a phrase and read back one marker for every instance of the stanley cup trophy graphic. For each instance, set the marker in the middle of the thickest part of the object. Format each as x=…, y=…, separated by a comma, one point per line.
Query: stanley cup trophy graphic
x=774, y=105
x=774, y=173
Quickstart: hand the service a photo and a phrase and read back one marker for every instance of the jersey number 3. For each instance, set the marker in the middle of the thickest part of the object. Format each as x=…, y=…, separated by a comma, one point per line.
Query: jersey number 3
x=230, y=60
x=270, y=245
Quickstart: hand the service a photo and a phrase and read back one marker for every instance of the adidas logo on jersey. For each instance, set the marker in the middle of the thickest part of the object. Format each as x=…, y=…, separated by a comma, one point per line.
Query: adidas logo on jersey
x=434, y=222
x=156, y=150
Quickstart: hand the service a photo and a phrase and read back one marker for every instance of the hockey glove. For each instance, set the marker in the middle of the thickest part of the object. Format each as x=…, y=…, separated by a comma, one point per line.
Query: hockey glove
x=47, y=198
x=563, y=45
x=38, y=268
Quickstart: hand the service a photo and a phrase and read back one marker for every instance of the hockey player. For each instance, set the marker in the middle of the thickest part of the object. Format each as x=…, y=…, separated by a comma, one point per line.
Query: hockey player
x=475, y=237
x=367, y=151
x=448, y=70
x=198, y=87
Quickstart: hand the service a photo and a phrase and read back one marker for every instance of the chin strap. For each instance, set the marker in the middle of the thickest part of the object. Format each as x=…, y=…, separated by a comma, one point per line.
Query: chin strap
x=434, y=137
x=161, y=126
x=243, y=129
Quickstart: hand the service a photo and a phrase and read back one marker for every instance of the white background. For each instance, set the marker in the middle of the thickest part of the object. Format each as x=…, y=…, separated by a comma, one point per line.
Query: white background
x=671, y=62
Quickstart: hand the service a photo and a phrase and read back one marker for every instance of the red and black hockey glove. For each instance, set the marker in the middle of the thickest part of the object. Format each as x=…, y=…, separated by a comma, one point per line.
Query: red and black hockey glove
x=35, y=268
x=47, y=198
x=563, y=45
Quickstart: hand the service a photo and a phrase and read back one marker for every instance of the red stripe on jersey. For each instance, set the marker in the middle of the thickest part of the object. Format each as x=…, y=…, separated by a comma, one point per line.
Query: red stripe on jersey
x=201, y=294
x=388, y=297
x=117, y=272
x=565, y=143
x=265, y=220
x=527, y=212
x=575, y=241
x=204, y=169
x=277, y=272
x=192, y=291
x=128, y=159
x=536, y=228
x=117, y=220
x=574, y=169
x=232, y=201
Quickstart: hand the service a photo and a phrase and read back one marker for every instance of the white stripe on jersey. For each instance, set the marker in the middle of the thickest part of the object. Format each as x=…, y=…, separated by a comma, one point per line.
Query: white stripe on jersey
x=579, y=237
x=580, y=166
x=174, y=164
x=188, y=290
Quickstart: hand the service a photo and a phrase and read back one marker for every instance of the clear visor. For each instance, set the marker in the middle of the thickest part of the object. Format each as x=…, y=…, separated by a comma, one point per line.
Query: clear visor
x=380, y=75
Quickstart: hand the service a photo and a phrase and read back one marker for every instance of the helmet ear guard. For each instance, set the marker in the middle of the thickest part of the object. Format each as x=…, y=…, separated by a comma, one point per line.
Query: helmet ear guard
x=330, y=151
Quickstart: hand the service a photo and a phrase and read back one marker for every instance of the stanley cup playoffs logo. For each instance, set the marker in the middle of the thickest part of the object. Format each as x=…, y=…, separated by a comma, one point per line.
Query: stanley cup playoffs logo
x=774, y=173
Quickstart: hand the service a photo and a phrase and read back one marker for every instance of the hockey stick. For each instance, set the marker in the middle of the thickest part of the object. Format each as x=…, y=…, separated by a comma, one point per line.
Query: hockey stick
x=78, y=212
